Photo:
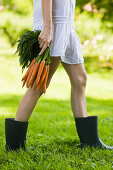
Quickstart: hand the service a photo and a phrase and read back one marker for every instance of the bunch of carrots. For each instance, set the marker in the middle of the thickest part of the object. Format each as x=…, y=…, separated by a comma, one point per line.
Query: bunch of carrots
x=37, y=73
x=38, y=65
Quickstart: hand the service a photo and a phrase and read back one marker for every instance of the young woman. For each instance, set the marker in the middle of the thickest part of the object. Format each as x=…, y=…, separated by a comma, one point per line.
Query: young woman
x=55, y=19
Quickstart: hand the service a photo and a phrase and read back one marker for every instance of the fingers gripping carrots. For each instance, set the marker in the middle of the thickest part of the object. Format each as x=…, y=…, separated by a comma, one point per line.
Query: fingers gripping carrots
x=38, y=70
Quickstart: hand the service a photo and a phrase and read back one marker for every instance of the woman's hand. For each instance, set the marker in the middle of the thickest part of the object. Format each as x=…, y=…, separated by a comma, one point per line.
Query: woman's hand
x=45, y=38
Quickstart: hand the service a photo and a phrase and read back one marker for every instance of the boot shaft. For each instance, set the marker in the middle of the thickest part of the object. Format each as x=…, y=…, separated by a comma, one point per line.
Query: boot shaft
x=87, y=128
x=15, y=133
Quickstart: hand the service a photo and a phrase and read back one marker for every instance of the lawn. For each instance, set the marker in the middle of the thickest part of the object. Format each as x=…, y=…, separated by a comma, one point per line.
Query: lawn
x=52, y=136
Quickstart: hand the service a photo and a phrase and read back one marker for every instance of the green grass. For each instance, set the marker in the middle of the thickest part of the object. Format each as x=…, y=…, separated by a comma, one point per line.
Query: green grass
x=52, y=136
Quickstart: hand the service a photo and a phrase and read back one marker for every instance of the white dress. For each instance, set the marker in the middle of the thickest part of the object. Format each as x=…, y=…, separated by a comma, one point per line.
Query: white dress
x=66, y=42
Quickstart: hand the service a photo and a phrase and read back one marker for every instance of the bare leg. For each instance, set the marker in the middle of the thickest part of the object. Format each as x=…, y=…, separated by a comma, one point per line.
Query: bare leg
x=78, y=78
x=31, y=97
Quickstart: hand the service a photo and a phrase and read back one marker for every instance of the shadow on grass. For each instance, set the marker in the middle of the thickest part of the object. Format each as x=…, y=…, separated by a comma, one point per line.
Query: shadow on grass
x=54, y=123
x=55, y=105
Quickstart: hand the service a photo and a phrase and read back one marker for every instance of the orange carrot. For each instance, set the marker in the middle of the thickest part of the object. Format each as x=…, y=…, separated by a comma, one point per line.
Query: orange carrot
x=33, y=61
x=41, y=78
x=31, y=75
x=45, y=80
x=28, y=78
x=34, y=73
x=41, y=67
x=38, y=86
x=24, y=81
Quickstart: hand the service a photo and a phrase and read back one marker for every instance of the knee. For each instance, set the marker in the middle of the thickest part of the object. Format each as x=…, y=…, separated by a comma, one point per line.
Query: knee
x=84, y=79
x=80, y=81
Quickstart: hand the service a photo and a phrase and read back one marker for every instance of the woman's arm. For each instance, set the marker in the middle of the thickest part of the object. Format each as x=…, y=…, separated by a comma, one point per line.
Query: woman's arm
x=45, y=37
x=47, y=12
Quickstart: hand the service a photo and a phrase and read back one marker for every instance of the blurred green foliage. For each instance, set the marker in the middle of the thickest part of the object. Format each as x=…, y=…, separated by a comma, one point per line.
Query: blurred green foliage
x=93, y=24
x=11, y=33
x=18, y=6
x=105, y=7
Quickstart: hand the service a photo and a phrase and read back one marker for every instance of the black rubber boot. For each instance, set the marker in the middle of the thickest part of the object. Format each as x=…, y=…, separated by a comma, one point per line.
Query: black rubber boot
x=87, y=129
x=15, y=133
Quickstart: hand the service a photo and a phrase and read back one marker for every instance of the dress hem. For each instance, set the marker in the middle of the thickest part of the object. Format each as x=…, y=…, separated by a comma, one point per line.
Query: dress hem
x=76, y=62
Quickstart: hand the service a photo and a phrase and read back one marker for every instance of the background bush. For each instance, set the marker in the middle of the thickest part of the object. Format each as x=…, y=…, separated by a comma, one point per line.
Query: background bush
x=93, y=24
